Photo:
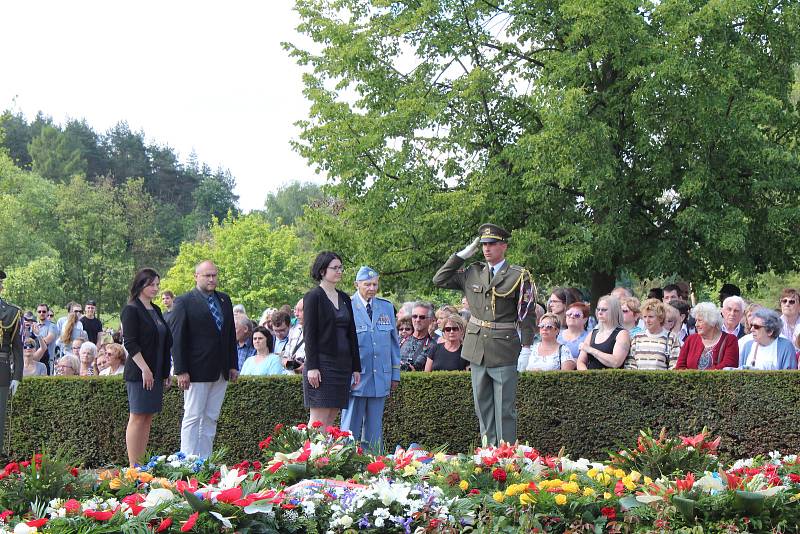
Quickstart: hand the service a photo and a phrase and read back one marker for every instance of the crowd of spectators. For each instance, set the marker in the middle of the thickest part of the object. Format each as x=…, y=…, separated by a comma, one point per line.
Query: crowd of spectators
x=663, y=331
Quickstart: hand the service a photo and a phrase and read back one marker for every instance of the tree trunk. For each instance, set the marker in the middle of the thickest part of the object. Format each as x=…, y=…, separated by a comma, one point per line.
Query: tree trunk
x=602, y=284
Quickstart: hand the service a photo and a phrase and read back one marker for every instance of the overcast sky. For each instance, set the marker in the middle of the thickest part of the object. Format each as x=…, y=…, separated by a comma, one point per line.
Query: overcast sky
x=208, y=76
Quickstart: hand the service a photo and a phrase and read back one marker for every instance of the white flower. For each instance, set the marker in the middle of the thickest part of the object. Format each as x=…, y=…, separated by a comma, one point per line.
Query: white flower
x=157, y=496
x=378, y=523
x=708, y=483
x=22, y=528
x=175, y=463
x=309, y=508
x=345, y=521
x=389, y=493
x=229, y=479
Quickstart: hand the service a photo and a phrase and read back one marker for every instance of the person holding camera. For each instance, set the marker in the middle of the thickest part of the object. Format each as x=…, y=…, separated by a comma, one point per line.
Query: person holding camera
x=379, y=350
x=264, y=362
x=294, y=355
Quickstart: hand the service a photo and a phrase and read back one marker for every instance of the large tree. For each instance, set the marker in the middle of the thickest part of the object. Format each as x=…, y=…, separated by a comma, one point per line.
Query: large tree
x=653, y=137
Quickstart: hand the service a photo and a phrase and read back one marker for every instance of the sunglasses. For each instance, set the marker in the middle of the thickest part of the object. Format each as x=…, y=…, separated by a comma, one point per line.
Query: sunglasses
x=419, y=316
x=575, y=315
x=41, y=311
x=77, y=311
x=602, y=310
x=547, y=327
x=756, y=326
x=29, y=347
x=451, y=329
x=790, y=302
x=404, y=328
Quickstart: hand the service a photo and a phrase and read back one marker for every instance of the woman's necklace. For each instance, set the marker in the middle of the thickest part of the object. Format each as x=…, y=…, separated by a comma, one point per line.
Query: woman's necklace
x=711, y=342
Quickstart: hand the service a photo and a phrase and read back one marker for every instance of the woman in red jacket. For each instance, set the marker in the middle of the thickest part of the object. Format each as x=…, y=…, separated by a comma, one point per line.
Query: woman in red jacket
x=710, y=347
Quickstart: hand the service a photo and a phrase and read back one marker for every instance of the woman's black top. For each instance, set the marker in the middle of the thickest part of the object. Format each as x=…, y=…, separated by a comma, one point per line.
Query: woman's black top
x=606, y=346
x=445, y=360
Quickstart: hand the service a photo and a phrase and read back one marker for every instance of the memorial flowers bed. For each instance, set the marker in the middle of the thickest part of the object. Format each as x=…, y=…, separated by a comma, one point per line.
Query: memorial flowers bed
x=314, y=479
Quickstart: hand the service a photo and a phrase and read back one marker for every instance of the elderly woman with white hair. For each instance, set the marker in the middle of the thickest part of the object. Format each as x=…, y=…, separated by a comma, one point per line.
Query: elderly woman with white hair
x=710, y=347
x=767, y=351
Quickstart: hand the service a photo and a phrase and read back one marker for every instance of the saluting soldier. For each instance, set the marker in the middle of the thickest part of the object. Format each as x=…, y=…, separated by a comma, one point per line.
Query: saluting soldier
x=379, y=347
x=501, y=300
x=11, y=363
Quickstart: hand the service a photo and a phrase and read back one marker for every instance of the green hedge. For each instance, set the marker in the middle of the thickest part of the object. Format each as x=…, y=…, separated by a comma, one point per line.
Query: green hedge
x=585, y=412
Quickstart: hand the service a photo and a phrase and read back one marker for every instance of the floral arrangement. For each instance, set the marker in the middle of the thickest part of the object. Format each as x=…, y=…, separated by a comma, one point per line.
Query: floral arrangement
x=315, y=479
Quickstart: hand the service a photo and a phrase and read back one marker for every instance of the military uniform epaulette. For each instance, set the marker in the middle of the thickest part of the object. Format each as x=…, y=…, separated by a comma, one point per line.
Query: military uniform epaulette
x=383, y=299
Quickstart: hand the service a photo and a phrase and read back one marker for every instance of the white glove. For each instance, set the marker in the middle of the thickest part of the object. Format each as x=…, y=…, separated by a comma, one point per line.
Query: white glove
x=524, y=357
x=470, y=249
x=13, y=386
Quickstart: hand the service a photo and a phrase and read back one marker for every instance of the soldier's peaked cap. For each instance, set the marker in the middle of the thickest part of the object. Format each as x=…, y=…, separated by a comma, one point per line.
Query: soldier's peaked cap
x=491, y=233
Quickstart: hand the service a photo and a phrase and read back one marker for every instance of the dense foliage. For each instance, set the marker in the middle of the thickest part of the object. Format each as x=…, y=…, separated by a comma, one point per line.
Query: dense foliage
x=653, y=138
x=588, y=413
x=80, y=211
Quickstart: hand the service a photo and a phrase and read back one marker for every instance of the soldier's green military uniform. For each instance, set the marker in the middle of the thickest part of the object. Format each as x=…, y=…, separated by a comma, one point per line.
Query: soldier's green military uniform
x=10, y=353
x=503, y=318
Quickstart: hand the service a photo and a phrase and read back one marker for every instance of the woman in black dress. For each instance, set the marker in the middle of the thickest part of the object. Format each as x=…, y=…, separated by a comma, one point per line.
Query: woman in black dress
x=148, y=340
x=333, y=364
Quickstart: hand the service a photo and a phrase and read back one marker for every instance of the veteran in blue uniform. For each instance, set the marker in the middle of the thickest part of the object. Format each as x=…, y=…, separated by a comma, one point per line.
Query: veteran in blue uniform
x=379, y=348
x=501, y=300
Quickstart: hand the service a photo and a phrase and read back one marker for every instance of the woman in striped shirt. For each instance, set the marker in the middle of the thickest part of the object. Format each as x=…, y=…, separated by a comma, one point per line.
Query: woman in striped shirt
x=655, y=348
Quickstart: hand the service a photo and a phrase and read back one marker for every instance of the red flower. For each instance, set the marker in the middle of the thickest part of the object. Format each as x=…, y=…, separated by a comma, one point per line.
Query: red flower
x=316, y=424
x=6, y=515
x=257, y=465
x=274, y=467
x=302, y=426
x=499, y=474
x=257, y=476
x=36, y=523
x=12, y=468
x=277, y=428
x=686, y=483
x=376, y=467
x=265, y=443
x=794, y=478
x=72, y=506
x=26, y=463
x=99, y=515
x=133, y=500
x=189, y=524
x=609, y=512
x=230, y=495
x=306, y=454
x=182, y=485
x=164, y=525
x=435, y=523
x=322, y=461
x=74, y=472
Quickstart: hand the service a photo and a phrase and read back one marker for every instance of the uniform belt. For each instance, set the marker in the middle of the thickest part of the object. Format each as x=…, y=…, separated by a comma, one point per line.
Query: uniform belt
x=493, y=326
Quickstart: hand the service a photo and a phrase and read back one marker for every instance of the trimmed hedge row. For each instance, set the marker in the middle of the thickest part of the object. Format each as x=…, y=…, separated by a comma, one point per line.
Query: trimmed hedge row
x=585, y=412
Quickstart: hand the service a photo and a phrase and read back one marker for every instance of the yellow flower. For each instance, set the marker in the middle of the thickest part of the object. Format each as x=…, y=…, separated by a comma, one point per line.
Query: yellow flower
x=628, y=483
x=609, y=469
x=591, y=473
x=115, y=483
x=648, y=481
x=526, y=499
x=606, y=495
x=478, y=470
x=515, y=489
x=619, y=473
x=573, y=477
x=440, y=457
x=131, y=474
x=635, y=475
x=145, y=477
x=105, y=475
x=795, y=497
x=163, y=482
x=498, y=496
x=603, y=478
x=561, y=499
x=464, y=485
x=571, y=487
x=588, y=492
x=409, y=470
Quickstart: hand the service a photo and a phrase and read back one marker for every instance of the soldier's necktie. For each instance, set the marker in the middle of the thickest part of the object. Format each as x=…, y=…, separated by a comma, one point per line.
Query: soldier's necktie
x=491, y=274
x=369, y=309
x=215, y=313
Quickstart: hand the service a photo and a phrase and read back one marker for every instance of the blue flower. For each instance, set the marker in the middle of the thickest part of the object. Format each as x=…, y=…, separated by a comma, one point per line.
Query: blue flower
x=364, y=522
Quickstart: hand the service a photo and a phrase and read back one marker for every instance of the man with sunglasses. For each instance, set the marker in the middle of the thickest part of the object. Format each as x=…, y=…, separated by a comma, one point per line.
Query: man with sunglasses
x=10, y=353
x=419, y=345
x=379, y=349
x=500, y=331
x=47, y=331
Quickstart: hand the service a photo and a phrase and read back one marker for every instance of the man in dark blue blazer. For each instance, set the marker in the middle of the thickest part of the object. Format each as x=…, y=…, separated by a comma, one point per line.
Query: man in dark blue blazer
x=204, y=356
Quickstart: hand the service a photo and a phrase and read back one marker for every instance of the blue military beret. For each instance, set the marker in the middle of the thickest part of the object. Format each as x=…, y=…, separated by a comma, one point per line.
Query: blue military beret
x=366, y=273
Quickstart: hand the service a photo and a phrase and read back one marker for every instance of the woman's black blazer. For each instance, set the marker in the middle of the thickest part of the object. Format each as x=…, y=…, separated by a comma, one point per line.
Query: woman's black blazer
x=139, y=334
x=319, y=328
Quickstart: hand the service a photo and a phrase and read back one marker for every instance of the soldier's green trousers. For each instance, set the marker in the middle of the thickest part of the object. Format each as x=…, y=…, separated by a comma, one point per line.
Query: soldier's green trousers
x=494, y=390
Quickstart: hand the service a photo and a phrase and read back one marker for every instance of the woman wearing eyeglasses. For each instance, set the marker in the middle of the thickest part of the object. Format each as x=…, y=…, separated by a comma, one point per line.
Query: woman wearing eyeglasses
x=404, y=328
x=31, y=355
x=608, y=345
x=560, y=300
x=333, y=361
x=767, y=351
x=446, y=356
x=577, y=316
x=547, y=354
x=790, y=314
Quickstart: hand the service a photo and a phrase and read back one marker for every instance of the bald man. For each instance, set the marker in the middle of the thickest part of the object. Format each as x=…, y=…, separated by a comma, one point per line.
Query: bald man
x=205, y=357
